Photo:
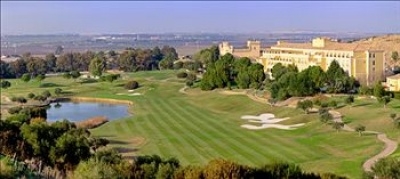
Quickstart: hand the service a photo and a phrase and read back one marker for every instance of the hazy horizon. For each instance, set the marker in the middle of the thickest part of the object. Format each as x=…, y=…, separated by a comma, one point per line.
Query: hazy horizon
x=102, y=17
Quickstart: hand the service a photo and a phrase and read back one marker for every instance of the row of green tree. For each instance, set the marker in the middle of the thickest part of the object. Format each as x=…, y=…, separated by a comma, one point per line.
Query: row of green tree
x=154, y=167
x=288, y=81
x=228, y=71
x=128, y=60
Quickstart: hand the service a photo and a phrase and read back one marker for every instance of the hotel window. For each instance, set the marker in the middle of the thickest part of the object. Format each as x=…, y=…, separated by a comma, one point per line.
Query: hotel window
x=373, y=62
x=373, y=55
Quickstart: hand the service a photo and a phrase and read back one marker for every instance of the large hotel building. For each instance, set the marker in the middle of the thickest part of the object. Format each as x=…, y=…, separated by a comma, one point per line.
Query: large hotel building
x=365, y=64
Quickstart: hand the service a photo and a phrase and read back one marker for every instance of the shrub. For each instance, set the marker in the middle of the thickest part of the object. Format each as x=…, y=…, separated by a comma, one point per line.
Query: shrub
x=178, y=65
x=317, y=102
x=37, y=120
x=324, y=104
x=14, y=110
x=19, y=118
x=191, y=77
x=131, y=85
x=40, y=77
x=21, y=99
x=110, y=78
x=40, y=98
x=102, y=78
x=67, y=75
x=182, y=75
x=57, y=91
x=31, y=95
x=92, y=169
x=189, y=83
x=13, y=99
x=46, y=93
x=365, y=90
x=26, y=77
x=6, y=168
x=34, y=112
x=5, y=84
x=332, y=103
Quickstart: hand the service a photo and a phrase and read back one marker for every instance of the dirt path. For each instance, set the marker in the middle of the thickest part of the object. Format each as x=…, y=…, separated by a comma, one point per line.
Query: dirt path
x=390, y=145
x=253, y=96
x=337, y=117
x=183, y=89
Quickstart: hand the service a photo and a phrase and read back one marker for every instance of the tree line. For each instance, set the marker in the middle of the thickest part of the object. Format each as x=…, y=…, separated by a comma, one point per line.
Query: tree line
x=288, y=81
x=228, y=71
x=129, y=60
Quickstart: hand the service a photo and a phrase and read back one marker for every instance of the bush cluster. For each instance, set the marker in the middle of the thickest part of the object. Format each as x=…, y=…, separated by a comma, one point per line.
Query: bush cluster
x=182, y=75
x=131, y=85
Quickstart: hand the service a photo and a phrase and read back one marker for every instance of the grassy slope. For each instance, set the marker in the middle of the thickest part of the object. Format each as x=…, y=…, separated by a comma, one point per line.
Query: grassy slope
x=202, y=125
x=370, y=113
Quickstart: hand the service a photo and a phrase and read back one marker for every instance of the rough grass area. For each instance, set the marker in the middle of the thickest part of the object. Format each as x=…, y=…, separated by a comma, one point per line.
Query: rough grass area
x=92, y=122
x=201, y=125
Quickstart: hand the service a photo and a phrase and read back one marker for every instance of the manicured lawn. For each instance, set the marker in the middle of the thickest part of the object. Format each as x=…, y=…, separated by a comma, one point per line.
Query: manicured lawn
x=199, y=126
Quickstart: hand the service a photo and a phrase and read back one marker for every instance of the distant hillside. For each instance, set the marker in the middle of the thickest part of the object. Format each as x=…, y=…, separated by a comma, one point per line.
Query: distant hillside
x=389, y=43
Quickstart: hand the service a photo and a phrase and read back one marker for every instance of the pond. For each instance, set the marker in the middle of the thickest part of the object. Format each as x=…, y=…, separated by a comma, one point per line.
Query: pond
x=78, y=111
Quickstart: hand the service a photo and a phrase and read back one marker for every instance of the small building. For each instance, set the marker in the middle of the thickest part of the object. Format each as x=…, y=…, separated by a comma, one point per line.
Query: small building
x=393, y=83
x=252, y=50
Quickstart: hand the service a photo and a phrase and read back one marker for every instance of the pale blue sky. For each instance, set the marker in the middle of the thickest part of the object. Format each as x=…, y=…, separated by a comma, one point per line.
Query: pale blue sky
x=196, y=16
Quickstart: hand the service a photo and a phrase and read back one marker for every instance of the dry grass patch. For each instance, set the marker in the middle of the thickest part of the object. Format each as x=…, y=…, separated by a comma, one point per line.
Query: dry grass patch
x=92, y=122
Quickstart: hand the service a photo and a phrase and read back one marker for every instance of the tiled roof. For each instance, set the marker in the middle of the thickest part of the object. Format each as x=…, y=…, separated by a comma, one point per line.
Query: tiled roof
x=329, y=46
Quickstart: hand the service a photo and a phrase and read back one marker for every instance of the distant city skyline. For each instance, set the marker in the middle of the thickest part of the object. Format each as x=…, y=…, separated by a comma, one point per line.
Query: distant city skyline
x=91, y=17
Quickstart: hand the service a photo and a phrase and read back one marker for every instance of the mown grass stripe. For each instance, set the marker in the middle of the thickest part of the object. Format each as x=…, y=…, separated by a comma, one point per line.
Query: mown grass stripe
x=170, y=133
x=240, y=149
x=147, y=129
x=118, y=128
x=188, y=139
x=288, y=147
x=195, y=134
x=244, y=141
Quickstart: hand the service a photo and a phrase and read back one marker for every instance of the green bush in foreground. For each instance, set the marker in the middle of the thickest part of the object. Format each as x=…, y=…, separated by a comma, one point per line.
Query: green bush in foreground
x=155, y=167
x=385, y=168
x=6, y=169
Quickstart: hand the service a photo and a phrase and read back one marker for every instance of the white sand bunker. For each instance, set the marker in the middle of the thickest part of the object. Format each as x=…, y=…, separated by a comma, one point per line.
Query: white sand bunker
x=130, y=94
x=135, y=94
x=268, y=121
